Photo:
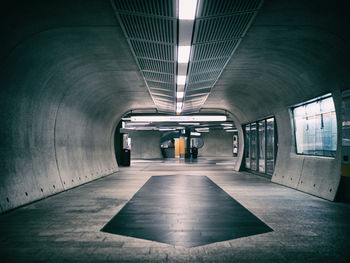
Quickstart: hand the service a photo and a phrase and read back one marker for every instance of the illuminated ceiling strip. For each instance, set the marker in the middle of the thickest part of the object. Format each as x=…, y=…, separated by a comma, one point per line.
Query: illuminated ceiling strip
x=202, y=129
x=187, y=14
x=177, y=118
x=179, y=95
x=181, y=79
x=166, y=129
x=183, y=54
x=187, y=9
x=189, y=123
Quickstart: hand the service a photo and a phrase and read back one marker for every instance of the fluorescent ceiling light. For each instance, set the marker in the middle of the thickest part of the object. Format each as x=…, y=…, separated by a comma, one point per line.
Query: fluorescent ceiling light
x=202, y=129
x=166, y=129
x=176, y=118
x=183, y=54
x=189, y=123
x=231, y=130
x=226, y=124
x=195, y=134
x=178, y=107
x=227, y=127
x=187, y=9
x=181, y=79
x=180, y=95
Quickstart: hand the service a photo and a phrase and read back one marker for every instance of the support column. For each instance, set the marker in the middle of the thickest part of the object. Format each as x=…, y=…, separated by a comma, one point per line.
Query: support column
x=177, y=147
x=188, y=143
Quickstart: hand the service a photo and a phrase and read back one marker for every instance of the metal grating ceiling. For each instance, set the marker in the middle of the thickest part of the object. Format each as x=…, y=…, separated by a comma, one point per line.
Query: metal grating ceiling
x=219, y=27
x=148, y=7
x=153, y=50
x=227, y=7
x=150, y=27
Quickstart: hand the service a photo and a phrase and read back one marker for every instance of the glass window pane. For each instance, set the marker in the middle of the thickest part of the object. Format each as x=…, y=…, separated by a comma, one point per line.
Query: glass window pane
x=270, y=145
x=262, y=146
x=246, y=146
x=346, y=120
x=253, y=147
x=315, y=128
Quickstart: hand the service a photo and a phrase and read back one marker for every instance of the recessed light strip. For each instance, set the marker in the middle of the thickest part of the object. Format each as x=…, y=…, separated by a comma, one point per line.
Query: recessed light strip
x=176, y=118
x=187, y=14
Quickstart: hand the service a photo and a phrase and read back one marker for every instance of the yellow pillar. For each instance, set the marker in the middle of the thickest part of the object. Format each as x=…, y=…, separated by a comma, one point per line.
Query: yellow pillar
x=182, y=147
x=177, y=148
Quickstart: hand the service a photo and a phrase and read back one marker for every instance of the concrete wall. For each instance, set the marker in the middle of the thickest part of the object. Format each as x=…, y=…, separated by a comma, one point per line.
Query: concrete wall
x=293, y=52
x=65, y=74
x=145, y=144
x=217, y=143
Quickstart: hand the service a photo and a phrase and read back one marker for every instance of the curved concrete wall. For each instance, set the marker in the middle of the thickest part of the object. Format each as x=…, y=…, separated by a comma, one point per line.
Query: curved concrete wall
x=294, y=51
x=67, y=75
x=65, y=80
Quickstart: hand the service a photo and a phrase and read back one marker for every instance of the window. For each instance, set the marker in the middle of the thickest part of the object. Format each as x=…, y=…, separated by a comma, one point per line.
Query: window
x=247, y=146
x=260, y=146
x=315, y=127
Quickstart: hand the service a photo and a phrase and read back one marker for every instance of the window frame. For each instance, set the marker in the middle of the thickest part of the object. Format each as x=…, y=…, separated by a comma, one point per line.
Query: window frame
x=317, y=99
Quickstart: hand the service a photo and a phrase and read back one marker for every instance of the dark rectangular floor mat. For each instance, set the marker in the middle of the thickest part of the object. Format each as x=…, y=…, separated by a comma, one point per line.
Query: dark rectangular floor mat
x=184, y=210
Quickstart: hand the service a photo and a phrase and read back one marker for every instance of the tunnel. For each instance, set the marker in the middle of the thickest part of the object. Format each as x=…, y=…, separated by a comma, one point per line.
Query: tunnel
x=73, y=76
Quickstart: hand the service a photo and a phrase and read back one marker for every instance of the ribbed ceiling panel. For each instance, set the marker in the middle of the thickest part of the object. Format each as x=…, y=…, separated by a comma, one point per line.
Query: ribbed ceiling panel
x=198, y=91
x=163, y=99
x=157, y=66
x=203, y=66
x=158, y=77
x=224, y=7
x=148, y=28
x=151, y=29
x=161, y=93
x=153, y=50
x=160, y=86
x=197, y=96
x=201, y=84
x=219, y=27
x=150, y=7
x=214, y=50
x=193, y=78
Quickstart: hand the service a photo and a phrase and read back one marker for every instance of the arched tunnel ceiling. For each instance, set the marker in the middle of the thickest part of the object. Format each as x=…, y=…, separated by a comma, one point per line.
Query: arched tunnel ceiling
x=67, y=75
x=293, y=50
x=288, y=55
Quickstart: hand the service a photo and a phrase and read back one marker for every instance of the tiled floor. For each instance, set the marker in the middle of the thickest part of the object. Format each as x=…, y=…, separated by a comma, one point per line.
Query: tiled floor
x=66, y=227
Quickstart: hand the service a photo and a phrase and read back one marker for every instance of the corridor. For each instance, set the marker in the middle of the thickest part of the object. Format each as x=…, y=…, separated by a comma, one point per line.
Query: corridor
x=67, y=227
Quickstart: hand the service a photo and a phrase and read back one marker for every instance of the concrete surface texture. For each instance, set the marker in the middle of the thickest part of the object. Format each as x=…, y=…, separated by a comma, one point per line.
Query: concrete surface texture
x=66, y=227
x=216, y=143
x=145, y=144
x=294, y=51
x=67, y=75
x=62, y=92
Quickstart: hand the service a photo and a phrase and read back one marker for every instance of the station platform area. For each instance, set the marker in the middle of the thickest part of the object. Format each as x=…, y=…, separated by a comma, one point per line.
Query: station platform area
x=178, y=211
